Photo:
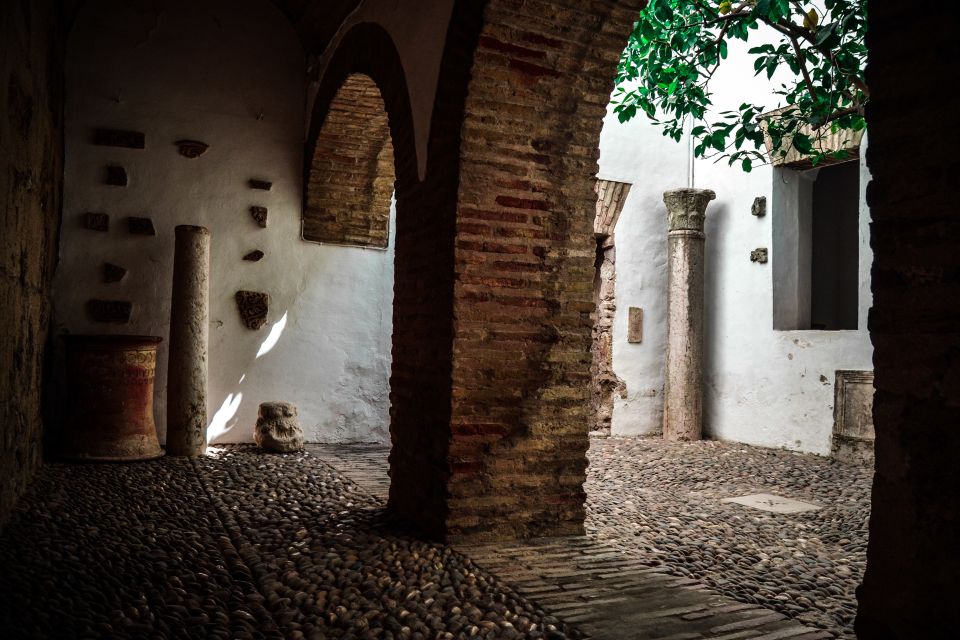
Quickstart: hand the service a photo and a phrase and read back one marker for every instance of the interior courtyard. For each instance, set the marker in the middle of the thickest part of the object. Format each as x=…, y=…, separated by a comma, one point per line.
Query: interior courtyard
x=368, y=319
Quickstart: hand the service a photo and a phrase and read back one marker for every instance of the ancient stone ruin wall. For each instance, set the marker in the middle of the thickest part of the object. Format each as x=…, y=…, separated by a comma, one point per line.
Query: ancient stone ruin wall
x=610, y=198
x=30, y=139
x=910, y=586
x=350, y=183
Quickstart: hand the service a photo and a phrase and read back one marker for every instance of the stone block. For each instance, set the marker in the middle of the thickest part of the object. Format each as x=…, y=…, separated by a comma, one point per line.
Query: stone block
x=278, y=430
x=853, y=433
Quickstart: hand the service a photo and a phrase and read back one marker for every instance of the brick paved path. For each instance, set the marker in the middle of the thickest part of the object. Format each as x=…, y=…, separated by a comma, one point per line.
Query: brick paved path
x=597, y=582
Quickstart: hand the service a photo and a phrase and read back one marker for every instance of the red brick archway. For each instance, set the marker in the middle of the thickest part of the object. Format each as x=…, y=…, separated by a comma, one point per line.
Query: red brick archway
x=501, y=450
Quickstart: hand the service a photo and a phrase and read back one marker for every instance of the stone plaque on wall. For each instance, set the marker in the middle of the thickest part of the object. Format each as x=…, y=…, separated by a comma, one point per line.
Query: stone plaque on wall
x=140, y=226
x=113, y=272
x=253, y=306
x=635, y=325
x=116, y=176
x=112, y=311
x=96, y=221
x=853, y=417
x=119, y=138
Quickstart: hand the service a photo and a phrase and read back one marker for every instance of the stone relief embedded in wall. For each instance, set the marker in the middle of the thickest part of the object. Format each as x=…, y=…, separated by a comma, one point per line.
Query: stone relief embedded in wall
x=191, y=148
x=253, y=306
x=96, y=221
x=254, y=256
x=140, y=226
x=116, y=176
x=759, y=206
x=260, y=216
x=262, y=185
x=113, y=272
x=759, y=255
x=119, y=138
x=113, y=311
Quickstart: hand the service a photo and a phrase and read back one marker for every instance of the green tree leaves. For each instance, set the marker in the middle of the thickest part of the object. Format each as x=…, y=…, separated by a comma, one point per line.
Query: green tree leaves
x=677, y=45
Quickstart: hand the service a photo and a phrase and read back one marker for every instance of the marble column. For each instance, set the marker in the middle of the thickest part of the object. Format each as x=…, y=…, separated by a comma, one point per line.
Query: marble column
x=187, y=368
x=683, y=388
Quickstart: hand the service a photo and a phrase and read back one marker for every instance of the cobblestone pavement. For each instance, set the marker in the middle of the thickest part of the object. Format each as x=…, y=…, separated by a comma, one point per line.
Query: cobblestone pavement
x=242, y=545
x=661, y=504
x=250, y=545
x=663, y=501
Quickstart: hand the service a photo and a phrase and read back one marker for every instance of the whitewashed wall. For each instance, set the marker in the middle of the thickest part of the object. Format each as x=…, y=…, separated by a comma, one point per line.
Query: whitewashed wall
x=205, y=70
x=764, y=387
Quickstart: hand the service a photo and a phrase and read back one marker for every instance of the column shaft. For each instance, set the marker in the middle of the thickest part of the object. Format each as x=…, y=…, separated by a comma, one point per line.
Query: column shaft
x=187, y=368
x=683, y=387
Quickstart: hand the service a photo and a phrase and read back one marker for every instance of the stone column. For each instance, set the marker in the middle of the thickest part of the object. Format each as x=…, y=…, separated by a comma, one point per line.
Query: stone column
x=683, y=389
x=187, y=367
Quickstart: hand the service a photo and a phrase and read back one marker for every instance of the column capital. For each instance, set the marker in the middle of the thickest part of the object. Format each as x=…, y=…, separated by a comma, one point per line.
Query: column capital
x=687, y=208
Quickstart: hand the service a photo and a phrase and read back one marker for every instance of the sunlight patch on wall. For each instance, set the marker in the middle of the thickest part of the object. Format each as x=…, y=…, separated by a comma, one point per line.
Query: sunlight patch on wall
x=274, y=337
x=218, y=426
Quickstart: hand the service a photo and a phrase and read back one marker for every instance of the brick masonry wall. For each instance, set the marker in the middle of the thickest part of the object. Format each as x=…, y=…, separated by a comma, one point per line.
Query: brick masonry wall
x=910, y=588
x=30, y=183
x=525, y=249
x=350, y=182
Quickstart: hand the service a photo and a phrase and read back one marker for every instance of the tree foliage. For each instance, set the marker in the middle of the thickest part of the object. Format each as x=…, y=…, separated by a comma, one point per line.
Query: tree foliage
x=677, y=45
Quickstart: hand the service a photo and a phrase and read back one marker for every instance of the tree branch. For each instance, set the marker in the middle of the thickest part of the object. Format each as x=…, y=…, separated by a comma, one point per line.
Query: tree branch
x=802, y=63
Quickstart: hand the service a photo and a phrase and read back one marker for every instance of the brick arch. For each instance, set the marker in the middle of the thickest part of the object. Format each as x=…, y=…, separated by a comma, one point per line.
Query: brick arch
x=367, y=50
x=349, y=183
x=523, y=263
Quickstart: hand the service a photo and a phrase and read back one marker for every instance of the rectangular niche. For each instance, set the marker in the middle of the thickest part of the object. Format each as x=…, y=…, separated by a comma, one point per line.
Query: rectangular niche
x=853, y=433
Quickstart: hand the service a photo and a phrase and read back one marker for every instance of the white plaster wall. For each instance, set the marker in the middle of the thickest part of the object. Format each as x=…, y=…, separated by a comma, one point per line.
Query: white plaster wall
x=764, y=387
x=204, y=70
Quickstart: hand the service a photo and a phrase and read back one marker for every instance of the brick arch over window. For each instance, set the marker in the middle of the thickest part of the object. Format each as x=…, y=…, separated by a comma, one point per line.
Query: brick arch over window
x=350, y=178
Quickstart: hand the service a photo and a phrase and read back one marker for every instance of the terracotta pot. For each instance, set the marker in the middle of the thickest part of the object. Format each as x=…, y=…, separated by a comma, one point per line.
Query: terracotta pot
x=110, y=398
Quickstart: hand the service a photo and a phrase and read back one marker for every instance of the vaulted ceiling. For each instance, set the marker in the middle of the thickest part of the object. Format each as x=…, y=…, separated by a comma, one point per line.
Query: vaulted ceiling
x=315, y=21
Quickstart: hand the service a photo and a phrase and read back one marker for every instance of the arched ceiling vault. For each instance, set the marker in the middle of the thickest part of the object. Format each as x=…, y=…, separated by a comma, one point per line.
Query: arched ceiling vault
x=315, y=21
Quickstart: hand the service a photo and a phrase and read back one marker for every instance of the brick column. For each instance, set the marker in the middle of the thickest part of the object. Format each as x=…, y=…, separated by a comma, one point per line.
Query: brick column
x=187, y=368
x=683, y=390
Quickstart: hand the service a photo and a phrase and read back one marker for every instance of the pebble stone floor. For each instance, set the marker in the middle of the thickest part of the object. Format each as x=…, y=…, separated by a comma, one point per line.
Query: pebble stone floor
x=242, y=545
x=663, y=501
x=246, y=545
